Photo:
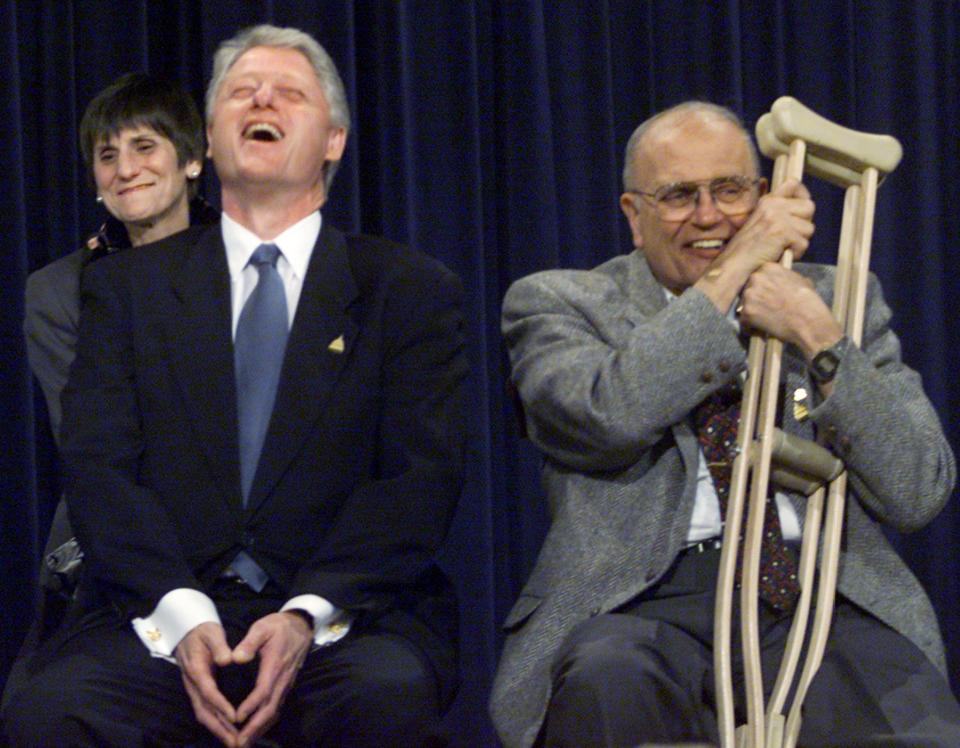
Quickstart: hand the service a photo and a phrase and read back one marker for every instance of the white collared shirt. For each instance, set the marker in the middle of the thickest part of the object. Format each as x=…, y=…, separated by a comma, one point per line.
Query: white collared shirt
x=705, y=521
x=181, y=610
x=295, y=244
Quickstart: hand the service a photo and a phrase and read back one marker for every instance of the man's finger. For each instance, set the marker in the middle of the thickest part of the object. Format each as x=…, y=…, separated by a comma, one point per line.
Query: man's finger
x=261, y=721
x=281, y=641
x=261, y=708
x=202, y=680
x=211, y=718
x=197, y=653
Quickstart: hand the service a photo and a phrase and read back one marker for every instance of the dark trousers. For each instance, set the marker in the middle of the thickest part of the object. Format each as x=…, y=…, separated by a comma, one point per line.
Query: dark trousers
x=93, y=683
x=644, y=674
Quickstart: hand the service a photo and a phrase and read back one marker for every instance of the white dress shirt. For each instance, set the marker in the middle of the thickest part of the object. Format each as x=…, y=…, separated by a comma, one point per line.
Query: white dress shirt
x=181, y=610
x=705, y=522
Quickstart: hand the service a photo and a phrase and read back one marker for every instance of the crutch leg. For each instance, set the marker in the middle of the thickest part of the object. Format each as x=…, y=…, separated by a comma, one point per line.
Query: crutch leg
x=759, y=401
x=846, y=158
x=838, y=488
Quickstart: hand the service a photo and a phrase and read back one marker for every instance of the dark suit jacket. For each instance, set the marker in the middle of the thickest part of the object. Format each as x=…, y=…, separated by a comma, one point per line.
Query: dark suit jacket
x=52, y=303
x=362, y=464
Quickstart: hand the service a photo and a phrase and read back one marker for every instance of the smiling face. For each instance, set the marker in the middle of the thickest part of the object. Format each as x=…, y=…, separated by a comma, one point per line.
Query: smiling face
x=137, y=176
x=270, y=127
x=691, y=147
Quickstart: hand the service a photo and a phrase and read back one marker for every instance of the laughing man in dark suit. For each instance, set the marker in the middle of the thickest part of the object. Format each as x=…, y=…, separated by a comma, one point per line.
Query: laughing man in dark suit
x=279, y=585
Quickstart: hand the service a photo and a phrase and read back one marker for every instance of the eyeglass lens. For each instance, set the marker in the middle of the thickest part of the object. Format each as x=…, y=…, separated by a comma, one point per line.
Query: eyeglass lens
x=731, y=195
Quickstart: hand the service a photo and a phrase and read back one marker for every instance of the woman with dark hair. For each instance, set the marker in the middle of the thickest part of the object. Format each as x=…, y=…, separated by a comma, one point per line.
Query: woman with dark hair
x=142, y=140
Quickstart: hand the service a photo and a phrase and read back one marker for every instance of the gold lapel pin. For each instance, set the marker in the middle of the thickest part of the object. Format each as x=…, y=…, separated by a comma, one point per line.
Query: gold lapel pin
x=336, y=345
x=800, y=410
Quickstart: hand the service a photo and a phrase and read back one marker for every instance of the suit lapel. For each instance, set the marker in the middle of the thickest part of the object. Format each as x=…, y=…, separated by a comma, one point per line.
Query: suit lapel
x=319, y=346
x=201, y=352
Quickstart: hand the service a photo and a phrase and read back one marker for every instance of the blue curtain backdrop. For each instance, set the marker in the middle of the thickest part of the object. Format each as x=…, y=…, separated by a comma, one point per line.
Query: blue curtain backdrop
x=490, y=135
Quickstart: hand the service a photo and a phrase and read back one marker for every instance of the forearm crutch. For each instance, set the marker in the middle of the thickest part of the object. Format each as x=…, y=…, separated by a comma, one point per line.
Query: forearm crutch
x=799, y=140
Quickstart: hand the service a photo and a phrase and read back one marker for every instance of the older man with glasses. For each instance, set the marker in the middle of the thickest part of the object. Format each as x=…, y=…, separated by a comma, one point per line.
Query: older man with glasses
x=629, y=376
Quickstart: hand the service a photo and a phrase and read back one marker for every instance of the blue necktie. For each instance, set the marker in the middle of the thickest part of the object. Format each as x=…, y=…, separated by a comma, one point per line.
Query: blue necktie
x=258, y=356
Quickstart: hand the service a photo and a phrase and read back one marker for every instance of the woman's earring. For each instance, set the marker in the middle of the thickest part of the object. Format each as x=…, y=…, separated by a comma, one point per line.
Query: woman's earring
x=99, y=199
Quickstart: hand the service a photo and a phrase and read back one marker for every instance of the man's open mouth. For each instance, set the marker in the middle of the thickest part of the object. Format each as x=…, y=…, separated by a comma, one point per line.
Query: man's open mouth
x=263, y=131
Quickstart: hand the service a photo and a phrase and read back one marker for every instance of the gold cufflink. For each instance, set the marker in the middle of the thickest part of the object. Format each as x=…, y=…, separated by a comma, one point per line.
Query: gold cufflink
x=154, y=635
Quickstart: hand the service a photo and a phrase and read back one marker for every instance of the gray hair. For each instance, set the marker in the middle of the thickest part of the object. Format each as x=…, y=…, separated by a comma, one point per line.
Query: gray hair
x=679, y=111
x=266, y=35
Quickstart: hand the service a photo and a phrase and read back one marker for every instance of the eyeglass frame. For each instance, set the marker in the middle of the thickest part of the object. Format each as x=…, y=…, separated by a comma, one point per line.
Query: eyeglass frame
x=749, y=183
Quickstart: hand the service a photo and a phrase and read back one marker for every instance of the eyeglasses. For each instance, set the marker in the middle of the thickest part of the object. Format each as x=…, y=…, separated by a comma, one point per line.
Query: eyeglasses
x=677, y=201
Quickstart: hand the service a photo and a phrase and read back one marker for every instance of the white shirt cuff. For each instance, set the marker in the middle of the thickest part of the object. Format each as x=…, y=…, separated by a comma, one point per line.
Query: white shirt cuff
x=330, y=624
x=177, y=613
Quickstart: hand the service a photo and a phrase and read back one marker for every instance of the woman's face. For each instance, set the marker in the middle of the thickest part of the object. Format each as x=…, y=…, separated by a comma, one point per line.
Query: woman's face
x=136, y=174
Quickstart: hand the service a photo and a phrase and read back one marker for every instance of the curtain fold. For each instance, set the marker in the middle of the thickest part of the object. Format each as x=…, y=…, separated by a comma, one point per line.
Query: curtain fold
x=18, y=494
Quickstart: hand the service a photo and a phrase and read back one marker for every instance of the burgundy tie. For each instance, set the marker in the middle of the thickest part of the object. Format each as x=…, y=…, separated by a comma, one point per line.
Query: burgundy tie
x=716, y=420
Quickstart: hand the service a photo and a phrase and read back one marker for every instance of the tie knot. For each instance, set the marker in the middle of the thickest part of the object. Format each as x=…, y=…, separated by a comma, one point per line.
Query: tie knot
x=265, y=254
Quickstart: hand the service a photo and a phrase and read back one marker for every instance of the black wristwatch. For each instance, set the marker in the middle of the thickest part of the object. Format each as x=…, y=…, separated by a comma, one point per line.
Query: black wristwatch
x=824, y=365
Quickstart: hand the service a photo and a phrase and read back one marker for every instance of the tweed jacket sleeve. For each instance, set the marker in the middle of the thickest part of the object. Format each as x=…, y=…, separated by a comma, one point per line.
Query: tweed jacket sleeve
x=604, y=366
x=880, y=422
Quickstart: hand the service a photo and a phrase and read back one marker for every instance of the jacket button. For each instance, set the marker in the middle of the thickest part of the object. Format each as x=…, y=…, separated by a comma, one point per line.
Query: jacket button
x=724, y=366
x=706, y=376
x=594, y=612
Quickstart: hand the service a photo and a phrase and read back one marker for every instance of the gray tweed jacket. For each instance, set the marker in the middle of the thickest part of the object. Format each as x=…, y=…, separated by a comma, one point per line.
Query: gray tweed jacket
x=608, y=373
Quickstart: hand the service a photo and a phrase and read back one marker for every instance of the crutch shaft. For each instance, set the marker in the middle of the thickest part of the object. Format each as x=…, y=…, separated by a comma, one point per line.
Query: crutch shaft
x=858, y=162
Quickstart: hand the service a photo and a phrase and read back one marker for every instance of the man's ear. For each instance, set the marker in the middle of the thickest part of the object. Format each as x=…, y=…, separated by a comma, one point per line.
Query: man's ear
x=336, y=142
x=628, y=205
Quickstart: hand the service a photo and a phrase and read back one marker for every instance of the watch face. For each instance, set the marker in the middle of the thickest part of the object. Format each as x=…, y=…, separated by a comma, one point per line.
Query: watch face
x=824, y=365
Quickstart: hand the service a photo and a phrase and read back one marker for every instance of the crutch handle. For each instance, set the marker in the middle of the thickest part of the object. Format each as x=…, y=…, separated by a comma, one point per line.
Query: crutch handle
x=836, y=151
x=793, y=454
x=828, y=171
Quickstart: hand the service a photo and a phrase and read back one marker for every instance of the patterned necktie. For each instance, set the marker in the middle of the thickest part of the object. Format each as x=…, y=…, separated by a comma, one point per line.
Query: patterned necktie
x=258, y=355
x=716, y=420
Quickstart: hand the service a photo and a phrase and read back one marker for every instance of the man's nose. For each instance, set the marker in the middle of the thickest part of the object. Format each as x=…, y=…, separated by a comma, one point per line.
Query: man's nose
x=263, y=95
x=705, y=210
